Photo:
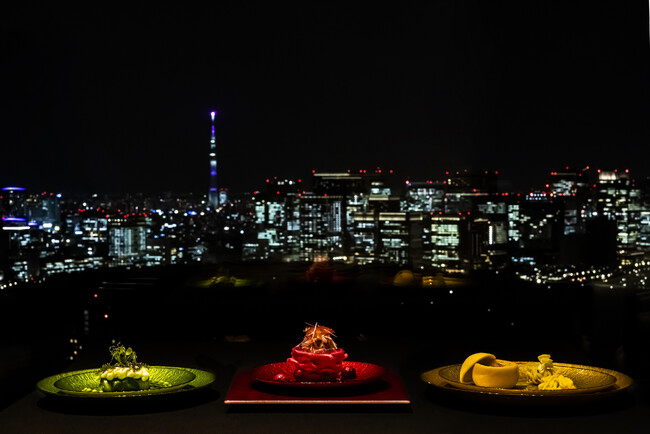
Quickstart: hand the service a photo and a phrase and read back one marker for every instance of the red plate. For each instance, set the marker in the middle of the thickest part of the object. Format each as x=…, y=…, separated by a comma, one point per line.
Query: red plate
x=366, y=372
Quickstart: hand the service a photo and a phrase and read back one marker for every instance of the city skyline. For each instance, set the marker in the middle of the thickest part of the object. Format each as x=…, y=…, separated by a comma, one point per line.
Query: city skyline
x=352, y=217
x=100, y=101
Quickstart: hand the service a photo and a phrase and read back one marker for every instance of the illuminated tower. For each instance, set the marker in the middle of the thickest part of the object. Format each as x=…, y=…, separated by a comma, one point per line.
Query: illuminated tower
x=213, y=196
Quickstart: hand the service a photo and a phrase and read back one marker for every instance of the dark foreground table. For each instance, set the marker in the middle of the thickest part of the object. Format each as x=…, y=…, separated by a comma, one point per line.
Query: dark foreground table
x=430, y=410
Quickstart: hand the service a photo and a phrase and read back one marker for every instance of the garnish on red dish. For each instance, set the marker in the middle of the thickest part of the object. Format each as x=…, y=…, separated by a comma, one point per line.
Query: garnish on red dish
x=318, y=339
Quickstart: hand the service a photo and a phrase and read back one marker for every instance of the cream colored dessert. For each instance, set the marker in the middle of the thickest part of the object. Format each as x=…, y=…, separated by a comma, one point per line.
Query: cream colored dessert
x=498, y=373
x=484, y=369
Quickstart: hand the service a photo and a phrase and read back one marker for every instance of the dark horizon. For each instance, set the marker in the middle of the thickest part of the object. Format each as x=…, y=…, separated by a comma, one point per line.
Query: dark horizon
x=504, y=184
x=98, y=100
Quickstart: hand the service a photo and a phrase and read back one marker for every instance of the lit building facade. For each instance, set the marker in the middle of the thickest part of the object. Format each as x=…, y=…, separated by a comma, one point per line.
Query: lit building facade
x=321, y=226
x=620, y=201
x=12, y=202
x=570, y=188
x=424, y=197
x=127, y=239
x=277, y=222
x=388, y=238
x=447, y=236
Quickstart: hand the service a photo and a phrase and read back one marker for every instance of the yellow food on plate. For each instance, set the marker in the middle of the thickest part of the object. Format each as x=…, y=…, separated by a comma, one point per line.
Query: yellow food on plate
x=545, y=377
x=468, y=365
x=535, y=375
x=556, y=382
x=500, y=373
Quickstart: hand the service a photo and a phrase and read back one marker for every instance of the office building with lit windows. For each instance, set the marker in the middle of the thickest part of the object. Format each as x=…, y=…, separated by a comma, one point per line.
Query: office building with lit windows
x=424, y=197
x=619, y=200
x=321, y=226
x=277, y=221
x=360, y=191
x=447, y=237
x=388, y=238
x=540, y=226
x=570, y=188
x=127, y=239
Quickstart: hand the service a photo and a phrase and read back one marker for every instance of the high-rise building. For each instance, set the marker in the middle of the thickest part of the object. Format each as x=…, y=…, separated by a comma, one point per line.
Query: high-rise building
x=321, y=226
x=447, y=237
x=570, y=187
x=277, y=220
x=388, y=237
x=347, y=193
x=213, y=195
x=619, y=201
x=127, y=239
x=44, y=210
x=643, y=242
x=12, y=202
x=540, y=224
x=424, y=197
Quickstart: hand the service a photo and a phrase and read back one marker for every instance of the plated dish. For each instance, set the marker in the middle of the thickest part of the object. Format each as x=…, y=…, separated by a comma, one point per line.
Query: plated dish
x=587, y=379
x=317, y=358
x=485, y=377
x=125, y=376
x=74, y=384
x=317, y=362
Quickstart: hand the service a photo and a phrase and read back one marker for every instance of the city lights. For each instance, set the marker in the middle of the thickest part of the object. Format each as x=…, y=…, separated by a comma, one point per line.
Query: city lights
x=458, y=226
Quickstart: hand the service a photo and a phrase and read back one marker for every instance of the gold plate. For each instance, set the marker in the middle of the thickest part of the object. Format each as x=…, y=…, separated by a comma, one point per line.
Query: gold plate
x=590, y=382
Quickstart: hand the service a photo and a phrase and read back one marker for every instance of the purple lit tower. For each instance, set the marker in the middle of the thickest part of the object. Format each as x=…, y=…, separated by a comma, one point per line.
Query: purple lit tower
x=213, y=196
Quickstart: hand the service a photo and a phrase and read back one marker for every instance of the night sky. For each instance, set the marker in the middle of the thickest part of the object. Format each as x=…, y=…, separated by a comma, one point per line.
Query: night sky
x=108, y=98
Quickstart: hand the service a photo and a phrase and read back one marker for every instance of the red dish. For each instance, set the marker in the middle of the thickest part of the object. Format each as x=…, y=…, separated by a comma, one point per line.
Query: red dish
x=308, y=366
x=365, y=373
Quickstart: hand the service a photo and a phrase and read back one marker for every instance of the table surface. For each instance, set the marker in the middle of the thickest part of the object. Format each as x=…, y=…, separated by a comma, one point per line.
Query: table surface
x=430, y=410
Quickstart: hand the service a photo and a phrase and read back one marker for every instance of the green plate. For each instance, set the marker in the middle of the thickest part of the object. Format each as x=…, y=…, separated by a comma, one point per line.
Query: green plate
x=71, y=384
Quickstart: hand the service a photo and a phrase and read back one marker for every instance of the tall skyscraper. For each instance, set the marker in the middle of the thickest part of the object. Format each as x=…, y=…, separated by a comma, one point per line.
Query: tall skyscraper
x=619, y=201
x=127, y=239
x=213, y=195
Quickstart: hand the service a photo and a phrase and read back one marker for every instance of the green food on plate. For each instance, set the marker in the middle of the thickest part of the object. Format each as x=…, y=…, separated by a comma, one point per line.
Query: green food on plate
x=124, y=373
